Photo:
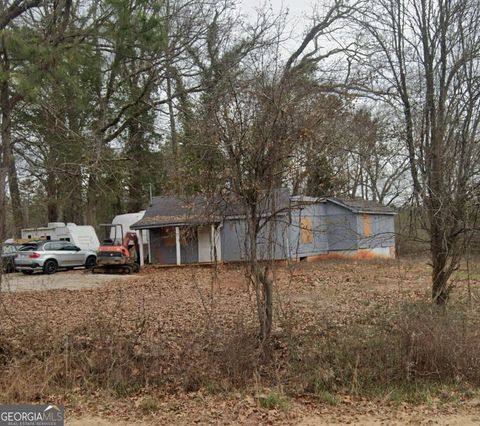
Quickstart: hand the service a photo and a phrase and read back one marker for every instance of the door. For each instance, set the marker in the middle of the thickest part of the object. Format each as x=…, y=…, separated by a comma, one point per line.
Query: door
x=205, y=250
x=72, y=256
x=205, y=246
x=56, y=251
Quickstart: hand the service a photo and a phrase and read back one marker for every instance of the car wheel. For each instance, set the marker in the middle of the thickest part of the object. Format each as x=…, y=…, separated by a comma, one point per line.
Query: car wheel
x=91, y=262
x=50, y=266
x=27, y=272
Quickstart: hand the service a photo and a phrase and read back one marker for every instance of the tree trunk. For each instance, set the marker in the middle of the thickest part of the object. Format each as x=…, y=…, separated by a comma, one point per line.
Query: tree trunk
x=6, y=132
x=173, y=138
x=136, y=174
x=92, y=199
x=95, y=164
x=262, y=284
x=52, y=203
x=17, y=208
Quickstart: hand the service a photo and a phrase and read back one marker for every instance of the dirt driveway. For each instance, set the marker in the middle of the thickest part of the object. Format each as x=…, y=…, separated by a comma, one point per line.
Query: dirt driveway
x=69, y=280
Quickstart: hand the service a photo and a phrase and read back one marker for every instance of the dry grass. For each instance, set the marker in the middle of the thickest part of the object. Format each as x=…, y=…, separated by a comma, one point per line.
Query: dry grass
x=342, y=328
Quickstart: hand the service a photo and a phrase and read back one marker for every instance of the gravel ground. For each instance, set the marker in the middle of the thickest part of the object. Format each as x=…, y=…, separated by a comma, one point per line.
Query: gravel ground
x=69, y=280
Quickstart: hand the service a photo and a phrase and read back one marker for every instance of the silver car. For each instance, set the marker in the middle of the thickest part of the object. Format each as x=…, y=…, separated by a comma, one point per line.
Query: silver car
x=49, y=256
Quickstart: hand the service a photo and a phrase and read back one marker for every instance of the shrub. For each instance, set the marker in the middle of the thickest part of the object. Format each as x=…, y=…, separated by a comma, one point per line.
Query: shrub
x=420, y=344
x=272, y=400
x=148, y=405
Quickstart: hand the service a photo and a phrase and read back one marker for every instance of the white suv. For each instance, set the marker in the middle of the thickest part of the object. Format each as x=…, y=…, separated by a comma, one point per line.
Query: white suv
x=49, y=256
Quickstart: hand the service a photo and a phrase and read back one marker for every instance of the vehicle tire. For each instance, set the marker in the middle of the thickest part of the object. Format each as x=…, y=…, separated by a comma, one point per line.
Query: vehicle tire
x=27, y=272
x=90, y=262
x=50, y=266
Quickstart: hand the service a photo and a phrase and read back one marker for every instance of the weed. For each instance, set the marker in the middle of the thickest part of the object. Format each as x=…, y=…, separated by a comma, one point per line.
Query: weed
x=326, y=397
x=272, y=400
x=212, y=388
x=148, y=405
x=322, y=390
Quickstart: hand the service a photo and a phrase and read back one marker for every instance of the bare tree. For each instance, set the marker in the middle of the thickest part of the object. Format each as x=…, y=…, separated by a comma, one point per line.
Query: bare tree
x=423, y=57
x=256, y=118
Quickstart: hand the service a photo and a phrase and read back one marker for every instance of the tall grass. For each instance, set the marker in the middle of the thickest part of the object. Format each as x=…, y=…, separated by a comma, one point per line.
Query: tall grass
x=418, y=346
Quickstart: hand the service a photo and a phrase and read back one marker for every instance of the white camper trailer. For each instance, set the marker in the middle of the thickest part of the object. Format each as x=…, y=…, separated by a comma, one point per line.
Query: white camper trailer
x=128, y=219
x=82, y=236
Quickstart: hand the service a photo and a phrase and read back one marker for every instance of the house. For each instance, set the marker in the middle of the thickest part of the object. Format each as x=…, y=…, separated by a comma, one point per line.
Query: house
x=202, y=230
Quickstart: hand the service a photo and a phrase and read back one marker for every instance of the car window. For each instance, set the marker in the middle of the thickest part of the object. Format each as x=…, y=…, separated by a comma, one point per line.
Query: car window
x=27, y=247
x=70, y=247
x=53, y=246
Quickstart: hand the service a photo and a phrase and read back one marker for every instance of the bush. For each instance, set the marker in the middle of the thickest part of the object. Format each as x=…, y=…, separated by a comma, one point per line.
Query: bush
x=272, y=400
x=419, y=345
x=399, y=355
x=440, y=344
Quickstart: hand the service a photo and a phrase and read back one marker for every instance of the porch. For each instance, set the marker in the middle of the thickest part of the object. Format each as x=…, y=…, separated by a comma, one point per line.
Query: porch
x=185, y=244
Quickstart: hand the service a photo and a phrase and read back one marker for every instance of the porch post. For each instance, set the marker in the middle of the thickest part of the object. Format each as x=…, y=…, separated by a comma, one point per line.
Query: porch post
x=177, y=243
x=212, y=242
x=149, y=239
x=140, y=247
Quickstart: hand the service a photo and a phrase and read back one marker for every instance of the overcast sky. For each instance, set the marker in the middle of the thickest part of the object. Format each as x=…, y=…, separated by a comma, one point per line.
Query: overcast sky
x=297, y=8
x=298, y=12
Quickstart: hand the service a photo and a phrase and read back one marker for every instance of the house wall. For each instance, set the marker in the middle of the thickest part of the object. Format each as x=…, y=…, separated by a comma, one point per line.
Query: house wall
x=308, y=232
x=342, y=228
x=314, y=230
x=376, y=230
x=352, y=231
x=163, y=249
x=233, y=240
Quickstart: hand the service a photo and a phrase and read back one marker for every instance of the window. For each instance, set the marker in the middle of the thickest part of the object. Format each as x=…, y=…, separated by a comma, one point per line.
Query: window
x=168, y=236
x=306, y=230
x=366, y=225
x=53, y=247
x=27, y=247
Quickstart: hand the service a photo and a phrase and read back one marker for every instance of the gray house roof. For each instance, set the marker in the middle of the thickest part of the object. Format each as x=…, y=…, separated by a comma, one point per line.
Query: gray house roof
x=196, y=210
x=169, y=210
x=358, y=205
x=199, y=209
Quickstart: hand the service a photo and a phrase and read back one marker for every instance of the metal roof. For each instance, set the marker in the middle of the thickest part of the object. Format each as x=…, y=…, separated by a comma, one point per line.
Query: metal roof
x=358, y=205
x=199, y=209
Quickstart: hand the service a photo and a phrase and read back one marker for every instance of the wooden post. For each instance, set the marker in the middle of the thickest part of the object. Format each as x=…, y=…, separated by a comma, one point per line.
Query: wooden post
x=177, y=244
x=150, y=259
x=212, y=242
x=140, y=247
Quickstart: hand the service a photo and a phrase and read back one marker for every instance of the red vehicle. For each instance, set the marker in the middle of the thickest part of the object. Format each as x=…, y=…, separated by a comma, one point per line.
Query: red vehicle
x=120, y=254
